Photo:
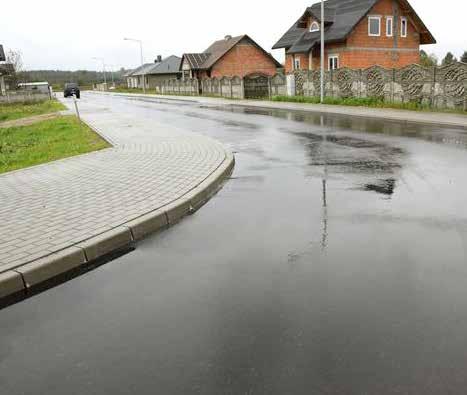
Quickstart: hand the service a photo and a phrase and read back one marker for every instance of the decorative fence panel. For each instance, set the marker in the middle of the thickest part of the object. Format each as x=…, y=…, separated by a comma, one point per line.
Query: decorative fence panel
x=228, y=87
x=439, y=87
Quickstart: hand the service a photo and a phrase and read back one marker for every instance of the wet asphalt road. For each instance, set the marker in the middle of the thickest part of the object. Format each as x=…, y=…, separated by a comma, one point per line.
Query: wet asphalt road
x=333, y=262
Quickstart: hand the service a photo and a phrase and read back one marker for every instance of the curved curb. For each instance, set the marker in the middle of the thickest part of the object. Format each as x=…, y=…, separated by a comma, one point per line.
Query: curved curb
x=23, y=281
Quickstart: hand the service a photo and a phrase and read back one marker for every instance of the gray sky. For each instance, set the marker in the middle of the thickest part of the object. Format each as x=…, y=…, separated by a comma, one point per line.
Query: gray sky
x=58, y=34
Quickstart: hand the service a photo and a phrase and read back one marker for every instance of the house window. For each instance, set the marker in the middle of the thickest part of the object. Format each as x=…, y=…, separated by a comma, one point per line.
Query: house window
x=296, y=63
x=403, y=27
x=374, y=26
x=389, y=26
x=314, y=27
x=333, y=62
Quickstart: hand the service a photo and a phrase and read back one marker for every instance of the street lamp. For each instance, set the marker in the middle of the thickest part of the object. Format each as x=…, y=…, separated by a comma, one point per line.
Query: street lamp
x=112, y=72
x=322, y=51
x=142, y=59
x=103, y=68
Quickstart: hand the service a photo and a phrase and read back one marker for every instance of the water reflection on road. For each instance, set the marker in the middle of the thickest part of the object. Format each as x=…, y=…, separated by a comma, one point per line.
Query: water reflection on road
x=333, y=262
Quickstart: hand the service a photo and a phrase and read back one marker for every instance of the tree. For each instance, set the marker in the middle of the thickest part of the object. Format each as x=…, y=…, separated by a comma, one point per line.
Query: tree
x=464, y=57
x=16, y=59
x=449, y=58
x=428, y=60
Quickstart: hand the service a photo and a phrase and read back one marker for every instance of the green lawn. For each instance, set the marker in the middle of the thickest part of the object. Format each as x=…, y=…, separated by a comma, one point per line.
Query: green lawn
x=364, y=102
x=13, y=111
x=46, y=141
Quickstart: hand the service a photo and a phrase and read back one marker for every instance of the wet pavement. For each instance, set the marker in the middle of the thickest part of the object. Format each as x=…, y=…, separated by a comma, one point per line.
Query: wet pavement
x=333, y=262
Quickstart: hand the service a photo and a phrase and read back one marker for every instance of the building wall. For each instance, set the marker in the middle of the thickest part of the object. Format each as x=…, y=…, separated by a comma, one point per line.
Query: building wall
x=361, y=50
x=391, y=52
x=244, y=59
x=154, y=80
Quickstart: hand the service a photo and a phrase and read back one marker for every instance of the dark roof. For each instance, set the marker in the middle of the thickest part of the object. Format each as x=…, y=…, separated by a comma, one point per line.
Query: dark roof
x=207, y=59
x=143, y=69
x=219, y=48
x=340, y=17
x=195, y=60
x=2, y=54
x=170, y=65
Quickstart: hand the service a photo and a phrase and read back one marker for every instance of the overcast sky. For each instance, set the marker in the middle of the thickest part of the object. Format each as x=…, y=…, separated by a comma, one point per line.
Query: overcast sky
x=58, y=34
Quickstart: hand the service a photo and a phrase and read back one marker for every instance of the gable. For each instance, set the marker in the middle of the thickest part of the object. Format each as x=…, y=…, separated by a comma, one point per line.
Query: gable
x=246, y=40
x=207, y=59
x=341, y=17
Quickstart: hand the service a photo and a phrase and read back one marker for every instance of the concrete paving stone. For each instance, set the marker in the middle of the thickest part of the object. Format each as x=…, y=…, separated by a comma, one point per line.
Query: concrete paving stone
x=10, y=283
x=49, y=207
x=51, y=266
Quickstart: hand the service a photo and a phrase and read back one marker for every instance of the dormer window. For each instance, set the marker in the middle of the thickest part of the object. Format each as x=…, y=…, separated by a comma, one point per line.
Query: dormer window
x=314, y=27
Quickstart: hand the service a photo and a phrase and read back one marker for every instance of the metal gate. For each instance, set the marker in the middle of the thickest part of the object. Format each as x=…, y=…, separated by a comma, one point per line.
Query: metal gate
x=256, y=86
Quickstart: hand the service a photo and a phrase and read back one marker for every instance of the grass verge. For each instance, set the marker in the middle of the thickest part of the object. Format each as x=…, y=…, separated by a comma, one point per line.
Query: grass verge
x=46, y=141
x=9, y=112
x=365, y=102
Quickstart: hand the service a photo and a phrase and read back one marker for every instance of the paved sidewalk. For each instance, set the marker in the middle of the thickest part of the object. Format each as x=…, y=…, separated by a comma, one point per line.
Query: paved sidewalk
x=425, y=117
x=48, y=208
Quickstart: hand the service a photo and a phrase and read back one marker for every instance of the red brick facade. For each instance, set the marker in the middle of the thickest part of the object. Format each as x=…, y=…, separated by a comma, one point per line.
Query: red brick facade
x=360, y=50
x=244, y=59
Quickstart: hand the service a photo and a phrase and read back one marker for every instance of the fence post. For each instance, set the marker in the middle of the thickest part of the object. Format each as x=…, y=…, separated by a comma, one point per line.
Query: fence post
x=270, y=87
x=433, y=87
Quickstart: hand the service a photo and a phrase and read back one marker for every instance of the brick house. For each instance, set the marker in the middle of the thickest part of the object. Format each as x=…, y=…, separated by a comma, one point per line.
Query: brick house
x=233, y=56
x=358, y=34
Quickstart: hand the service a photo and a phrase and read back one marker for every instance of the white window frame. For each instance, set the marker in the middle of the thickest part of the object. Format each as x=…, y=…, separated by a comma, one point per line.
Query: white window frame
x=314, y=27
x=378, y=18
x=310, y=61
x=404, y=23
x=296, y=64
x=389, y=25
x=333, y=57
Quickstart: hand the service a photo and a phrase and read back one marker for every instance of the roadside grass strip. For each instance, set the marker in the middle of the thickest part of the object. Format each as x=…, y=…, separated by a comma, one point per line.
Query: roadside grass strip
x=13, y=111
x=370, y=102
x=46, y=141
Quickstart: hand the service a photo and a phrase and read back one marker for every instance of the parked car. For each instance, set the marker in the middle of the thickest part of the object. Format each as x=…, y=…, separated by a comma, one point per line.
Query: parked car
x=71, y=89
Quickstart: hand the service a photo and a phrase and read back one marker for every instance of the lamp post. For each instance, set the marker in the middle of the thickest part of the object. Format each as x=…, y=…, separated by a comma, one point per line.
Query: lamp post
x=112, y=72
x=103, y=69
x=322, y=51
x=142, y=59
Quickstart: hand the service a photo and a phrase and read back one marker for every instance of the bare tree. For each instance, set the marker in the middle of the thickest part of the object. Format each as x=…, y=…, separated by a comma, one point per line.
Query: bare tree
x=15, y=57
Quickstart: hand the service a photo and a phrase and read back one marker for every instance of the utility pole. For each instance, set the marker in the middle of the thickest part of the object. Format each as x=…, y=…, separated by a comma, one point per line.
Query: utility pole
x=322, y=51
x=103, y=69
x=142, y=59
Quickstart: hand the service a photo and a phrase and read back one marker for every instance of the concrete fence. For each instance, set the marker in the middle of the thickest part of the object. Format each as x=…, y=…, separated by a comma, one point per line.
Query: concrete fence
x=438, y=87
x=255, y=86
x=24, y=96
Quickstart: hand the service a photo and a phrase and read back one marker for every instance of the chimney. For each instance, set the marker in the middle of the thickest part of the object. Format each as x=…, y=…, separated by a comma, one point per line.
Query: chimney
x=228, y=37
x=159, y=59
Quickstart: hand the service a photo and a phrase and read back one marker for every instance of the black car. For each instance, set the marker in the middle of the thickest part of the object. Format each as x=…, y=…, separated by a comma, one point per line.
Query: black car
x=71, y=89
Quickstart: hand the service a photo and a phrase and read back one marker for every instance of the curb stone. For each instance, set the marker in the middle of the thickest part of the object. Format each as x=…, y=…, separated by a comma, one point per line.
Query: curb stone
x=23, y=279
x=44, y=269
x=11, y=283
